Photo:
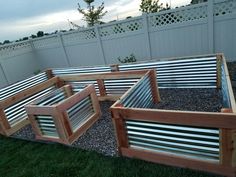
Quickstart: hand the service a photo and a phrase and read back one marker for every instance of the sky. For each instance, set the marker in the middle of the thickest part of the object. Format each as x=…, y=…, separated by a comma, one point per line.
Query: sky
x=20, y=18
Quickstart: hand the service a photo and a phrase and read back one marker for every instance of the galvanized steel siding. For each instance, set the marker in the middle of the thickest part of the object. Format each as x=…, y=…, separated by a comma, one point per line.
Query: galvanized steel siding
x=183, y=73
x=194, y=142
x=47, y=126
x=80, y=112
x=140, y=96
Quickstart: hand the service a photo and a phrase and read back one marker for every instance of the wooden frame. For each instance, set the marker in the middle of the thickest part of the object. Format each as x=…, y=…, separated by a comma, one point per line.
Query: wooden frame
x=60, y=116
x=5, y=127
x=225, y=121
x=99, y=78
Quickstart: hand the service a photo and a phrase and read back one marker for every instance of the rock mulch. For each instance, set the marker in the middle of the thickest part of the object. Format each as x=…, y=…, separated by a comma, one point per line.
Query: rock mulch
x=101, y=137
x=206, y=100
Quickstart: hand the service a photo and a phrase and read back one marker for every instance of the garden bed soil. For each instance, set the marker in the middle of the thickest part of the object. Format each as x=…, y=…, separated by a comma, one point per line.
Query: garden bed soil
x=101, y=137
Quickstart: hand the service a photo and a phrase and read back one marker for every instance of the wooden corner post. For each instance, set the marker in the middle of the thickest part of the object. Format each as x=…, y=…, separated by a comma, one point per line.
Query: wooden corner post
x=49, y=73
x=4, y=124
x=114, y=68
x=119, y=125
x=154, y=86
x=101, y=87
x=219, y=59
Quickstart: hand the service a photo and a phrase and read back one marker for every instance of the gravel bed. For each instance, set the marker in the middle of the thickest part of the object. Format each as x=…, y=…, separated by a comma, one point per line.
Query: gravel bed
x=25, y=133
x=100, y=137
x=206, y=100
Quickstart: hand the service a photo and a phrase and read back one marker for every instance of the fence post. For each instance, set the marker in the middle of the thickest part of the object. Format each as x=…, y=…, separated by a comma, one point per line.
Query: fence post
x=147, y=37
x=4, y=74
x=100, y=44
x=63, y=48
x=210, y=10
x=34, y=52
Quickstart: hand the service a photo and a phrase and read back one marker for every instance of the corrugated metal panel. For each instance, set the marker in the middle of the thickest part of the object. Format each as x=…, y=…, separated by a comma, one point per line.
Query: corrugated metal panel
x=80, y=112
x=194, y=142
x=52, y=98
x=77, y=86
x=22, y=85
x=47, y=126
x=71, y=71
x=198, y=72
x=140, y=96
x=16, y=112
x=224, y=89
x=183, y=73
x=119, y=86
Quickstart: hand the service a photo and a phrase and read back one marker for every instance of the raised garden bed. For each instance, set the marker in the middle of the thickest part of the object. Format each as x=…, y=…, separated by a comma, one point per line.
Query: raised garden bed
x=178, y=131
x=63, y=116
x=99, y=137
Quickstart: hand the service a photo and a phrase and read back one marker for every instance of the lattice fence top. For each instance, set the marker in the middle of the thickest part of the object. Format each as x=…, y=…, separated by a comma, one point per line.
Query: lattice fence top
x=225, y=7
x=15, y=49
x=180, y=15
x=74, y=37
x=123, y=27
x=155, y=20
x=50, y=42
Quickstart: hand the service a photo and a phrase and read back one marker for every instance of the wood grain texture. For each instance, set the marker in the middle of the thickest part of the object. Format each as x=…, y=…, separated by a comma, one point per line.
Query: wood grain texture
x=154, y=86
x=120, y=132
x=28, y=92
x=219, y=58
x=49, y=73
x=3, y=120
x=226, y=147
x=202, y=119
x=179, y=161
x=68, y=90
x=101, y=87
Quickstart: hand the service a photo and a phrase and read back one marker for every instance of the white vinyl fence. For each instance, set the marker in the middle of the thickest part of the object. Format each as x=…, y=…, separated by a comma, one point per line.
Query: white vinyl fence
x=192, y=30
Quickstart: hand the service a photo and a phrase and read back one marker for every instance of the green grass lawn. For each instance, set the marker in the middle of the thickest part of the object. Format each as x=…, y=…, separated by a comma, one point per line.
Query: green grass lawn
x=25, y=159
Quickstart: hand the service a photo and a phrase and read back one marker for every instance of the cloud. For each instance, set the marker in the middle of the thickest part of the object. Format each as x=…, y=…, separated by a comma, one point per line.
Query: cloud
x=19, y=18
x=49, y=23
x=122, y=9
x=18, y=9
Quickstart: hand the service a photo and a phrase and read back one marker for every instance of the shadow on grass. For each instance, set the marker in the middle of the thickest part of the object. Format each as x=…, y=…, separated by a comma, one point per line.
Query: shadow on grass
x=26, y=159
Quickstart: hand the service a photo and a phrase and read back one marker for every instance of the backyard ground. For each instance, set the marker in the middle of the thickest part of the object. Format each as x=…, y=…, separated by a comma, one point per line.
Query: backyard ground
x=26, y=159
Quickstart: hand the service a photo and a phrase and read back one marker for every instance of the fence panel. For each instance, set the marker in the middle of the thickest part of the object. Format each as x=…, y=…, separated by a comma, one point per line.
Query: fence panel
x=191, y=30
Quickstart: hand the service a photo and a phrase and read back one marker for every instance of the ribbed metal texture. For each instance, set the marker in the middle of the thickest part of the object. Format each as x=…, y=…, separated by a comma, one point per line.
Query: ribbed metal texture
x=52, y=98
x=198, y=72
x=47, y=126
x=77, y=86
x=16, y=112
x=22, y=85
x=181, y=73
x=140, y=96
x=71, y=71
x=119, y=86
x=195, y=142
x=224, y=89
x=80, y=113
